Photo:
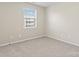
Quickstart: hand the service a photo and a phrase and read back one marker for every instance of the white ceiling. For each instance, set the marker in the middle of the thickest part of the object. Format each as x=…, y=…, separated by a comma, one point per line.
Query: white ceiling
x=44, y=4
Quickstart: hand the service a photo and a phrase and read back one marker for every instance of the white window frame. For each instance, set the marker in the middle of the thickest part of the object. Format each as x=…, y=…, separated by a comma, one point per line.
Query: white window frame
x=35, y=21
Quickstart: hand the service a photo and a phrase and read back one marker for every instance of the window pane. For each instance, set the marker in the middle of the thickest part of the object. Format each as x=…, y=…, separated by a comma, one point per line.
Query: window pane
x=29, y=12
x=30, y=17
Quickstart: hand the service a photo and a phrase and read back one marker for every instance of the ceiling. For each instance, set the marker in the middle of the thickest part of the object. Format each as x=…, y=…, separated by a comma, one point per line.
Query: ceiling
x=43, y=4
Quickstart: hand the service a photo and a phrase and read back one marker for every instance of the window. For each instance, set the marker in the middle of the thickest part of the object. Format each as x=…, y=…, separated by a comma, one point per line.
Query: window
x=30, y=17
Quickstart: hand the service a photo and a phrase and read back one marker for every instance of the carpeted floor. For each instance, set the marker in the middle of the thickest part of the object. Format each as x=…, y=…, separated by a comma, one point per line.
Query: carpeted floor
x=40, y=47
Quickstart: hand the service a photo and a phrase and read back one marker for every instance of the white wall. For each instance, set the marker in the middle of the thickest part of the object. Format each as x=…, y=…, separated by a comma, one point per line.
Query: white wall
x=63, y=22
x=12, y=22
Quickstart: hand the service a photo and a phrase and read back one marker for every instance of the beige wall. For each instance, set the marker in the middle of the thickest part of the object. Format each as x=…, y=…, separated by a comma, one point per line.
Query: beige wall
x=12, y=22
x=63, y=22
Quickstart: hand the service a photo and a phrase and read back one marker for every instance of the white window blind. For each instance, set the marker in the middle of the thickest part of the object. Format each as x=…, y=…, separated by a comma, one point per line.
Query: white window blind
x=30, y=17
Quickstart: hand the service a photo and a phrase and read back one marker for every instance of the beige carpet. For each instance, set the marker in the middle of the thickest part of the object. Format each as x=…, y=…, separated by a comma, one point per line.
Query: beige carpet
x=41, y=47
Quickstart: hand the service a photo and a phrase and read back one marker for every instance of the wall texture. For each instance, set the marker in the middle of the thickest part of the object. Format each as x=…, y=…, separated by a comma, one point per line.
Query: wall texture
x=63, y=22
x=12, y=22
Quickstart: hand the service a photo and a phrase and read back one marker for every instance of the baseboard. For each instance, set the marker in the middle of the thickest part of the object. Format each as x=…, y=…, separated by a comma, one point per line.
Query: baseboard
x=9, y=43
x=63, y=40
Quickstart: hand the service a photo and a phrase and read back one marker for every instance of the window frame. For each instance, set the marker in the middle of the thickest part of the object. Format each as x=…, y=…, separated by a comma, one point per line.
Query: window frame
x=35, y=21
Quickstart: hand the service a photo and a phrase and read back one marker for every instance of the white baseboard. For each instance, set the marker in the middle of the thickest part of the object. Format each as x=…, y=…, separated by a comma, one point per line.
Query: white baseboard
x=9, y=43
x=50, y=36
x=63, y=40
